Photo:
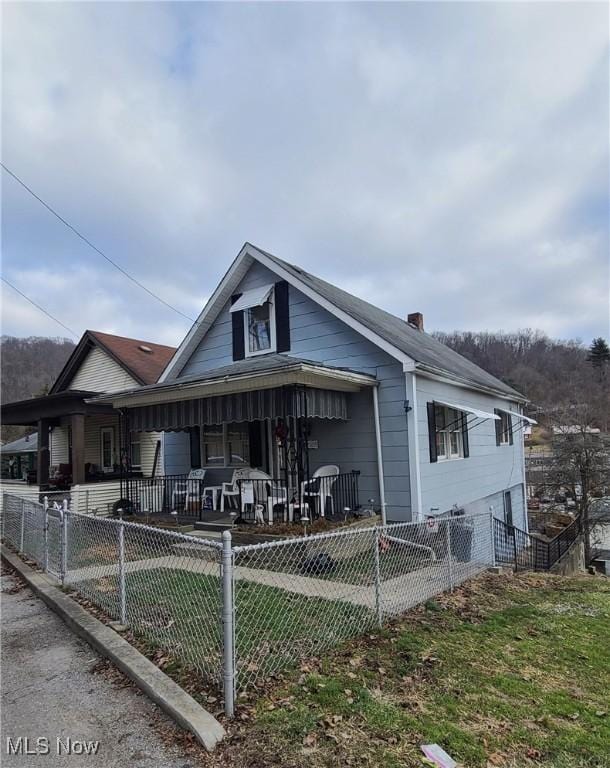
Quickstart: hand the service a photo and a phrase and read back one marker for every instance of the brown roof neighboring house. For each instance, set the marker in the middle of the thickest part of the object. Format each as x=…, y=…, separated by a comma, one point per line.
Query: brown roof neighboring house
x=143, y=360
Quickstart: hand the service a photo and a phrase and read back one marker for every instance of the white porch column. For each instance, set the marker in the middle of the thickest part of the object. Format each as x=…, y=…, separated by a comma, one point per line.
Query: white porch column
x=379, y=456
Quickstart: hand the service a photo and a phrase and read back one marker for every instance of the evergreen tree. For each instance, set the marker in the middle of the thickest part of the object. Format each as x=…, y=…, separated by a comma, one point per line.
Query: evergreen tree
x=599, y=354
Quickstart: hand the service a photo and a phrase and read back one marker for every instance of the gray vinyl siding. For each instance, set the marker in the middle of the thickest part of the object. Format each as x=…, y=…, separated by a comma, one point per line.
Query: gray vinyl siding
x=489, y=470
x=93, y=424
x=316, y=334
x=495, y=503
x=176, y=453
x=59, y=446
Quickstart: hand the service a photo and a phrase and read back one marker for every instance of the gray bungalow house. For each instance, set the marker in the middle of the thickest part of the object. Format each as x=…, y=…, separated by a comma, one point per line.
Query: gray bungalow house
x=288, y=390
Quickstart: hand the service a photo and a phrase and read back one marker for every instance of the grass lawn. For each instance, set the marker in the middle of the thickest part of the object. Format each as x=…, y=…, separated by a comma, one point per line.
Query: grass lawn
x=507, y=671
x=180, y=612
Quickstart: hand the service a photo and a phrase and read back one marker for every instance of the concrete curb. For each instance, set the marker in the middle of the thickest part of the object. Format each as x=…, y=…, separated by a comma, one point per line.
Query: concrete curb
x=150, y=679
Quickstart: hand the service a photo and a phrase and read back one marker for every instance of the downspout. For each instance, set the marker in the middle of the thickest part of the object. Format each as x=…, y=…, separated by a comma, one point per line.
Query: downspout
x=413, y=438
x=379, y=456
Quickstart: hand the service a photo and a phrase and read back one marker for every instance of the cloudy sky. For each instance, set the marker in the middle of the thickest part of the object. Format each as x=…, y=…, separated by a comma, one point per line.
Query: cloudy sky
x=446, y=158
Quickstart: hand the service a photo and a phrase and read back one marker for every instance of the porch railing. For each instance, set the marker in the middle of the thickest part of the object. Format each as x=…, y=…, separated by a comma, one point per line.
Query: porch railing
x=524, y=551
x=167, y=493
x=274, y=499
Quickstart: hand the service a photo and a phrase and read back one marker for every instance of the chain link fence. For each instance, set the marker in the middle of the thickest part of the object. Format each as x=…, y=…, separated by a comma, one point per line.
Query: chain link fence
x=238, y=615
x=298, y=597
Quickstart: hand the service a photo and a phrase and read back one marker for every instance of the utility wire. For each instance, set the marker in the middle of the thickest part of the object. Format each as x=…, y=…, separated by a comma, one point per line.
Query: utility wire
x=95, y=248
x=44, y=311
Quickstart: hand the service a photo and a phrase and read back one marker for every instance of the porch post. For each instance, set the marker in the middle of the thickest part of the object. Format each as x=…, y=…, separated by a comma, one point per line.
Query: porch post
x=77, y=422
x=379, y=456
x=43, y=455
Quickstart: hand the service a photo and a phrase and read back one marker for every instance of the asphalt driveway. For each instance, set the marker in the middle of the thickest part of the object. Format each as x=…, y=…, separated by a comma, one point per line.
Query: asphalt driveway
x=54, y=686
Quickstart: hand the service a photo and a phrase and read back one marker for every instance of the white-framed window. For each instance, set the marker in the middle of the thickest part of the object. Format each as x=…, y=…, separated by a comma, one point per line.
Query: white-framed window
x=504, y=428
x=226, y=445
x=259, y=328
x=107, y=449
x=136, y=452
x=449, y=437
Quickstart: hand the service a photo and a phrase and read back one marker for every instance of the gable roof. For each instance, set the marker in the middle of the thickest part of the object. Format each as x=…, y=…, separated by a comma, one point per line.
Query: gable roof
x=131, y=354
x=391, y=333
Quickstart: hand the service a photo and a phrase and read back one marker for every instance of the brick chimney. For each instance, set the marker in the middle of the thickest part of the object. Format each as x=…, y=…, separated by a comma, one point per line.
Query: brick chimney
x=416, y=319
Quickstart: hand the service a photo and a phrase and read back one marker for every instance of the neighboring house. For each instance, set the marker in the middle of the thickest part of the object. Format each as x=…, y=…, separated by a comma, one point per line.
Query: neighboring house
x=79, y=444
x=287, y=373
x=19, y=457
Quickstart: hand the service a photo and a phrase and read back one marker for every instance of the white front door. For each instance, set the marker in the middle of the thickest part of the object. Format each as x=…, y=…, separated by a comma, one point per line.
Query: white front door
x=107, y=449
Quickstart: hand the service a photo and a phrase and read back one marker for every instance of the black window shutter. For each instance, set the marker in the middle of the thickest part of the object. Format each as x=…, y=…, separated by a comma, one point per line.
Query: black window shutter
x=282, y=317
x=195, y=441
x=432, y=431
x=498, y=423
x=510, y=429
x=465, y=445
x=237, y=318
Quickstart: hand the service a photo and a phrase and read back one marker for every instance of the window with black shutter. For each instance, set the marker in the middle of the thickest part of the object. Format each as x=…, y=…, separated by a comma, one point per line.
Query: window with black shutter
x=237, y=319
x=504, y=427
x=447, y=433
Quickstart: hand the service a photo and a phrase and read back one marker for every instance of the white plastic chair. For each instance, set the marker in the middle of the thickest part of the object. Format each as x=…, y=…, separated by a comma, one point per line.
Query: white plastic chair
x=188, y=489
x=231, y=490
x=274, y=493
x=325, y=478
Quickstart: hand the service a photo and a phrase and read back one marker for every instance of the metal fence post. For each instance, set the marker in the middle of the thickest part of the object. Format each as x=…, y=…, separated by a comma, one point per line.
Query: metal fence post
x=46, y=533
x=122, y=587
x=227, y=623
x=63, y=518
x=22, y=537
x=515, y=548
x=492, y=537
x=377, y=578
x=449, y=559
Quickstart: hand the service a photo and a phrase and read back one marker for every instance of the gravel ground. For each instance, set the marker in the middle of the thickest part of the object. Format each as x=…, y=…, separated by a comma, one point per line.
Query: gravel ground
x=55, y=686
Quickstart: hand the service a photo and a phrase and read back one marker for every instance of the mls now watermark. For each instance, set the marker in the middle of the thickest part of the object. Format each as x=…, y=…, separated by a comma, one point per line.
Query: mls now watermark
x=24, y=745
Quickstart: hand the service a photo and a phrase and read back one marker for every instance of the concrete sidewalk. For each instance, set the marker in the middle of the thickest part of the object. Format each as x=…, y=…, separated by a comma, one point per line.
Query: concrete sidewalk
x=49, y=691
x=398, y=594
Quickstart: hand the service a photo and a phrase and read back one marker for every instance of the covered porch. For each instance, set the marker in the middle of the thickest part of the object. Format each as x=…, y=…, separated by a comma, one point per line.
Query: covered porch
x=261, y=441
x=77, y=455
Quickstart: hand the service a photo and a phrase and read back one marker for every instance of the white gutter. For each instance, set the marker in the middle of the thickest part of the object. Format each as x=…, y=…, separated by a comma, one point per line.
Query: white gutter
x=299, y=373
x=439, y=375
x=379, y=456
x=413, y=438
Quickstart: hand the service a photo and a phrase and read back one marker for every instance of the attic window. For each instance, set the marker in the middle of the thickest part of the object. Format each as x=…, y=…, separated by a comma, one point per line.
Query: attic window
x=144, y=348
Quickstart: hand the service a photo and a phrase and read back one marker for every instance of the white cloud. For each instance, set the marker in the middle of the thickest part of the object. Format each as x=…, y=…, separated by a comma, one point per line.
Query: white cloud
x=451, y=159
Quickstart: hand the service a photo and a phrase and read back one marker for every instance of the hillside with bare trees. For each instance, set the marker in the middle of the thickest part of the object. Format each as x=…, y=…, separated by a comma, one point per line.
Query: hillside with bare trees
x=29, y=367
x=554, y=374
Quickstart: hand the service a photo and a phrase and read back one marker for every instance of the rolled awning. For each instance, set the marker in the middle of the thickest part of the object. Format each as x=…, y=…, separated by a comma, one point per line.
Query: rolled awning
x=519, y=416
x=242, y=406
x=469, y=409
x=253, y=298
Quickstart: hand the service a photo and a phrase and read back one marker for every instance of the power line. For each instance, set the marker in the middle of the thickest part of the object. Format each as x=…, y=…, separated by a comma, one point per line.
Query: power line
x=44, y=311
x=95, y=248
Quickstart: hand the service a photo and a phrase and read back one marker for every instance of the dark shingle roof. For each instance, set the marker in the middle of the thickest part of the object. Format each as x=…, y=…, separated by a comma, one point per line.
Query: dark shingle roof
x=418, y=345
